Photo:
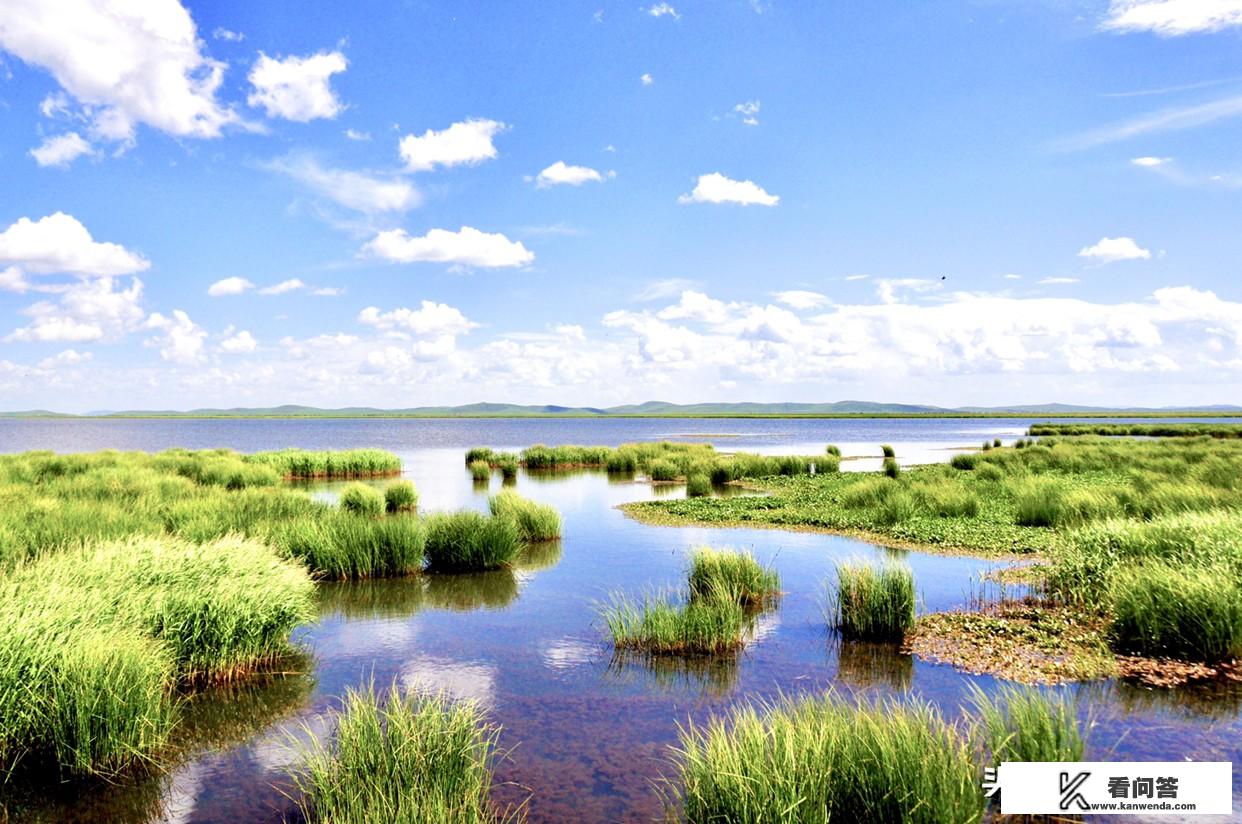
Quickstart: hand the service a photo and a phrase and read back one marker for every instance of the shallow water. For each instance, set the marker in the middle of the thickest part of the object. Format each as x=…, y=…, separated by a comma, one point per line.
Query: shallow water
x=587, y=734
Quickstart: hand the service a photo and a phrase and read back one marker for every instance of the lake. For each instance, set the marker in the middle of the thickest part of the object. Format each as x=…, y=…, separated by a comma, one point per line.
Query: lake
x=587, y=734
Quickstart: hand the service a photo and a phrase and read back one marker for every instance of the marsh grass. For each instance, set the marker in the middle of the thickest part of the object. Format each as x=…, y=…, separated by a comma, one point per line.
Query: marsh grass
x=345, y=547
x=658, y=626
x=887, y=451
x=328, y=464
x=535, y=521
x=400, y=496
x=891, y=468
x=467, y=541
x=402, y=758
x=735, y=576
x=662, y=470
x=507, y=463
x=480, y=470
x=1027, y=724
x=873, y=602
x=698, y=486
x=97, y=638
x=1175, y=610
x=821, y=760
x=360, y=499
x=833, y=450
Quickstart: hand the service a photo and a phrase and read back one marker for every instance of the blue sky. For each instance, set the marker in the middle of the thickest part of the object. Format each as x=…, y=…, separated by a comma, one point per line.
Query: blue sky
x=401, y=204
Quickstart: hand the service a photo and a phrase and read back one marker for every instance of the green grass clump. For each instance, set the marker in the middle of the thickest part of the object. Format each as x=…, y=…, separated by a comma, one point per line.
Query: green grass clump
x=698, y=485
x=467, y=541
x=97, y=637
x=360, y=499
x=480, y=470
x=996, y=442
x=507, y=463
x=662, y=470
x=828, y=463
x=735, y=576
x=1147, y=430
x=348, y=463
x=965, y=461
x=832, y=449
x=891, y=468
x=535, y=521
x=822, y=760
x=873, y=603
x=401, y=758
x=345, y=547
x=1178, y=611
x=887, y=451
x=1027, y=724
x=400, y=497
x=702, y=626
x=479, y=453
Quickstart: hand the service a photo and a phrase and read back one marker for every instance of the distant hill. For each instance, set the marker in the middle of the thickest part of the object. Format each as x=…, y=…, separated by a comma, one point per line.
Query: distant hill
x=657, y=409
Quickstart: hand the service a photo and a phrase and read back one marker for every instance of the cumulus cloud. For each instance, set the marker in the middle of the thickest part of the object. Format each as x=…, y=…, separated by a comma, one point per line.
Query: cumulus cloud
x=716, y=188
x=560, y=174
x=1171, y=18
x=12, y=280
x=430, y=318
x=360, y=191
x=1113, y=249
x=748, y=111
x=60, y=151
x=800, y=299
x=239, y=343
x=297, y=88
x=663, y=10
x=229, y=286
x=60, y=243
x=466, y=143
x=466, y=247
x=646, y=79
x=182, y=338
x=123, y=63
x=68, y=357
x=89, y=310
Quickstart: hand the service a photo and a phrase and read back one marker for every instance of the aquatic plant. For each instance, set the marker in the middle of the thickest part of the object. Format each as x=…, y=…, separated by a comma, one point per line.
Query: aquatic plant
x=1171, y=609
x=346, y=547
x=535, y=521
x=400, y=497
x=820, y=760
x=467, y=541
x=97, y=637
x=735, y=576
x=832, y=449
x=507, y=463
x=658, y=626
x=328, y=464
x=360, y=499
x=479, y=453
x=698, y=485
x=873, y=602
x=480, y=470
x=662, y=470
x=887, y=451
x=891, y=468
x=1028, y=724
x=400, y=757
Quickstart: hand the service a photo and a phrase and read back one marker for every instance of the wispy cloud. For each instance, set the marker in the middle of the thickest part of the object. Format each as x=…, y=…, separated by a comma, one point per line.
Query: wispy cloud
x=1163, y=120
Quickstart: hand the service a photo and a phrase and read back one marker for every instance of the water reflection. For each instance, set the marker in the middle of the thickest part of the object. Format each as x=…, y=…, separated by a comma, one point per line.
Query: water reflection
x=869, y=665
x=714, y=675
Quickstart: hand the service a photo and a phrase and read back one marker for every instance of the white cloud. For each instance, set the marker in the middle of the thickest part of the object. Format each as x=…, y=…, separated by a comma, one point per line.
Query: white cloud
x=12, y=280
x=290, y=285
x=748, y=111
x=221, y=33
x=893, y=290
x=229, y=286
x=1057, y=281
x=182, y=338
x=297, y=88
x=88, y=310
x=360, y=191
x=1012, y=277
x=646, y=79
x=431, y=318
x=328, y=291
x=354, y=134
x=800, y=299
x=1113, y=249
x=69, y=357
x=697, y=306
x=59, y=243
x=716, y=188
x=1170, y=18
x=561, y=174
x=466, y=143
x=663, y=10
x=60, y=151
x=1150, y=162
x=1163, y=120
x=857, y=277
x=466, y=247
x=668, y=288
x=124, y=63
x=239, y=343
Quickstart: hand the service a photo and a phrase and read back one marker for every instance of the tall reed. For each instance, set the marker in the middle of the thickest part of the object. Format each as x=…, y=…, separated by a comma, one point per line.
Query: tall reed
x=873, y=602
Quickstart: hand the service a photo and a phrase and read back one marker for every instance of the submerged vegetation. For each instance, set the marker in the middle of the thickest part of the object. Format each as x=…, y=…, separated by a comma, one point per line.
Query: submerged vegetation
x=401, y=758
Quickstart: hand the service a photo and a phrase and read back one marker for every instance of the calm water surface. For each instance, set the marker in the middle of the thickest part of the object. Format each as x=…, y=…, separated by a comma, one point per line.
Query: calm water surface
x=587, y=734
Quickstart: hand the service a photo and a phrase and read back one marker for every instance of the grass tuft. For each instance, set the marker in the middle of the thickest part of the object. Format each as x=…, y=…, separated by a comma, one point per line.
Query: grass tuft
x=887, y=451
x=736, y=576
x=535, y=521
x=698, y=486
x=480, y=470
x=873, y=603
x=400, y=497
x=702, y=626
x=1028, y=724
x=360, y=499
x=467, y=541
